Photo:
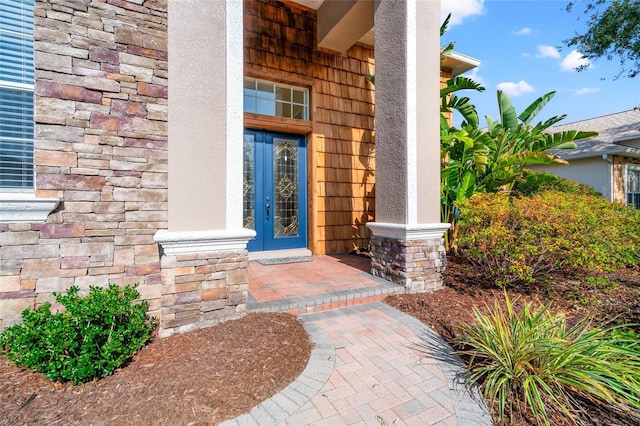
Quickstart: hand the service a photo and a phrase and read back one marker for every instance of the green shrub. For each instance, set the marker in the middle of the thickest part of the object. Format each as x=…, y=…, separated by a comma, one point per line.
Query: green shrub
x=520, y=239
x=92, y=337
x=533, y=358
x=537, y=182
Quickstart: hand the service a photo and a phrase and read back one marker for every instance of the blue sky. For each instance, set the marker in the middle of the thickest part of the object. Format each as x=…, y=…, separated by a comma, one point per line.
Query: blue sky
x=520, y=45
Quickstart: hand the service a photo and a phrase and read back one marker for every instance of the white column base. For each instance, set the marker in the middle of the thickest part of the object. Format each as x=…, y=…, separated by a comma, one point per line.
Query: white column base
x=401, y=231
x=191, y=242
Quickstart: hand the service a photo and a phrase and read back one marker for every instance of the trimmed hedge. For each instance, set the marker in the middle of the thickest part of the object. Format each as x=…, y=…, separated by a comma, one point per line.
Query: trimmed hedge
x=88, y=340
x=520, y=239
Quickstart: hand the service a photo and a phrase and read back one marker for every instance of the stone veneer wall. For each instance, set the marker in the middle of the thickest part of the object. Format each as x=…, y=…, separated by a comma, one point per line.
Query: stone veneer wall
x=619, y=172
x=417, y=265
x=100, y=148
x=200, y=290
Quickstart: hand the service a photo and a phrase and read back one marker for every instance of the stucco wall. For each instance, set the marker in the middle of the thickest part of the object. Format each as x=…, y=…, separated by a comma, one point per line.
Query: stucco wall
x=594, y=172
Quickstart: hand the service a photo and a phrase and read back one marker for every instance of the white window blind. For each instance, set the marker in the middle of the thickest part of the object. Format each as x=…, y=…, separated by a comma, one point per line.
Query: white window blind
x=16, y=95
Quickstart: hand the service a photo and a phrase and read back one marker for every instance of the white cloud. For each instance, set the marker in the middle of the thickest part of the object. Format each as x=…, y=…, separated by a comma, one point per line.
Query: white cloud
x=473, y=75
x=547, y=52
x=515, y=89
x=460, y=9
x=573, y=60
x=524, y=31
x=526, y=55
x=587, y=90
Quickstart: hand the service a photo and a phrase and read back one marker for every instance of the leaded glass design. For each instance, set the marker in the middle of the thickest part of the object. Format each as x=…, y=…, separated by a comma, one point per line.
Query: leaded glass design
x=633, y=185
x=249, y=187
x=275, y=99
x=285, y=191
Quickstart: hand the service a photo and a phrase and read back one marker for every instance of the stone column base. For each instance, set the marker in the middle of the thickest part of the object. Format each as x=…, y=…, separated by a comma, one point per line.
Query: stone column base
x=205, y=278
x=412, y=256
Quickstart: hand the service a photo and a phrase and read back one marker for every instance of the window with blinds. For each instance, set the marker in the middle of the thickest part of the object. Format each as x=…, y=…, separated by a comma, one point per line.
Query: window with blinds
x=16, y=95
x=633, y=185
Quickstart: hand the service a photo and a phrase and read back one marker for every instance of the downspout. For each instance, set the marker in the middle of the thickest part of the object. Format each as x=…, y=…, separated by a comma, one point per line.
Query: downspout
x=606, y=158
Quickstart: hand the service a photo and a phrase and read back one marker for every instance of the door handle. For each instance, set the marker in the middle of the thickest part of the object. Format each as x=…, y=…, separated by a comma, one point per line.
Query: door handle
x=268, y=207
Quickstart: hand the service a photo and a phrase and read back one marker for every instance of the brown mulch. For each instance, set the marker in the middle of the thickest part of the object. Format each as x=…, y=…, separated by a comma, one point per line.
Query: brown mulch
x=445, y=309
x=209, y=375
x=201, y=377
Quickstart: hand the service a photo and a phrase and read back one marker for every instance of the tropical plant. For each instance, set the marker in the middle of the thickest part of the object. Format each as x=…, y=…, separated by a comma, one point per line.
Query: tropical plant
x=533, y=357
x=474, y=160
x=490, y=160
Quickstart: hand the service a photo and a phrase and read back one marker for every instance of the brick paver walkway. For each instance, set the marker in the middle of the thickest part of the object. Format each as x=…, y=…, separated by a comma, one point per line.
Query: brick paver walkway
x=326, y=282
x=373, y=365
x=323, y=275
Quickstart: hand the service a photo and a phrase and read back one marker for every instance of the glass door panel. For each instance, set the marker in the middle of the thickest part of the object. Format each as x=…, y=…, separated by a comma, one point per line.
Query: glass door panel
x=275, y=189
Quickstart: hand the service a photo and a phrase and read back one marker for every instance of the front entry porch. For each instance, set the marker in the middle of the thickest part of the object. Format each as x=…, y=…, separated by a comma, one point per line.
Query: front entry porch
x=323, y=283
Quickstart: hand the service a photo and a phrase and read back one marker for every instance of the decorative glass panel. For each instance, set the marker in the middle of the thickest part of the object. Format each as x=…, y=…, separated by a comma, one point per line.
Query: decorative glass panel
x=249, y=166
x=285, y=191
x=279, y=100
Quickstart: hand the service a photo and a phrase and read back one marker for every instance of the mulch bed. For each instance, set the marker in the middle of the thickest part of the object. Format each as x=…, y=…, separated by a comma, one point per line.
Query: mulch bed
x=201, y=377
x=209, y=375
x=445, y=309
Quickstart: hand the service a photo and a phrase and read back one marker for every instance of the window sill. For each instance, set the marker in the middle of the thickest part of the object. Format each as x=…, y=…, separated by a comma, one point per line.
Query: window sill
x=25, y=208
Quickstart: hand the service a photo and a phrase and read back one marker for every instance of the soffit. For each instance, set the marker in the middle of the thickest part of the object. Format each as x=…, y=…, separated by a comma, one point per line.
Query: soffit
x=367, y=39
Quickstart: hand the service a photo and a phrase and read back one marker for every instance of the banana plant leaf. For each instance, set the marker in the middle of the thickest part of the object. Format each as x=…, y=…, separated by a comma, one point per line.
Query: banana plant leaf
x=508, y=116
x=536, y=106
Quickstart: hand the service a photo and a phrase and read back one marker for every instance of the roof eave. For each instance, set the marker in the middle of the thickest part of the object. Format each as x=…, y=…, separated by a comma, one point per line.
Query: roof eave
x=459, y=63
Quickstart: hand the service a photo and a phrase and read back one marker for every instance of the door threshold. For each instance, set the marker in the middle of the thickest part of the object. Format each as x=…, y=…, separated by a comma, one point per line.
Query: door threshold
x=277, y=254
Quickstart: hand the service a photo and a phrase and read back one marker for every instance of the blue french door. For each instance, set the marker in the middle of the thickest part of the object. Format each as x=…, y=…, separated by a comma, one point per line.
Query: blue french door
x=275, y=183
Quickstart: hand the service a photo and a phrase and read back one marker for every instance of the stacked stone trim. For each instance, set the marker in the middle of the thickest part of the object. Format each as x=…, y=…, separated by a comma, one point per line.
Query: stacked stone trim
x=417, y=265
x=200, y=290
x=619, y=176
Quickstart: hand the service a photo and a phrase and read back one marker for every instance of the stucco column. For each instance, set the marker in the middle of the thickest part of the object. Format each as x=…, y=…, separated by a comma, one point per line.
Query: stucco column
x=407, y=241
x=205, y=124
x=204, y=257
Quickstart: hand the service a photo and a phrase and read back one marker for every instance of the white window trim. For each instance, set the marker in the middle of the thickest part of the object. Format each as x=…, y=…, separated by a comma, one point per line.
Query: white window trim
x=16, y=207
x=630, y=166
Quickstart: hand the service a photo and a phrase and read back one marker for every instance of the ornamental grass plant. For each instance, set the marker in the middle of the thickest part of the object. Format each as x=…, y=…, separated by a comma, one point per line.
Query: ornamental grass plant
x=532, y=357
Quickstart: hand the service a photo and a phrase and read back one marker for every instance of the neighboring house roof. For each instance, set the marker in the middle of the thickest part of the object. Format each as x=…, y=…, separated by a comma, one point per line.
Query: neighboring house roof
x=618, y=133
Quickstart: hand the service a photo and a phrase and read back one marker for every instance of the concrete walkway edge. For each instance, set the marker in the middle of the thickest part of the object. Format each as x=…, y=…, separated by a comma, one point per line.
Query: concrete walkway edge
x=277, y=408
